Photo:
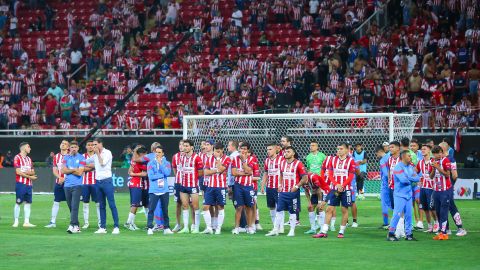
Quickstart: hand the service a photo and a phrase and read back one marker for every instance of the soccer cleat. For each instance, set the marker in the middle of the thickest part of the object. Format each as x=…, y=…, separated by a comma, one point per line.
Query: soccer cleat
x=218, y=230
x=429, y=230
x=332, y=228
x=311, y=231
x=101, y=231
x=461, y=232
x=51, y=225
x=391, y=237
x=436, y=227
x=354, y=225
x=184, y=230
x=258, y=227
x=383, y=227
x=273, y=232
x=150, y=231
x=320, y=235
x=242, y=230
x=85, y=226
x=195, y=231
x=410, y=238
x=340, y=235
x=441, y=236
x=291, y=233
x=15, y=224
x=176, y=228
x=116, y=230
x=76, y=229
x=207, y=231
x=29, y=225
x=235, y=231
x=70, y=229
x=419, y=226
x=167, y=231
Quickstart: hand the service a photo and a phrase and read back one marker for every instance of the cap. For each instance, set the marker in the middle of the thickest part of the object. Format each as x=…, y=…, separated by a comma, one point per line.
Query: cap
x=385, y=144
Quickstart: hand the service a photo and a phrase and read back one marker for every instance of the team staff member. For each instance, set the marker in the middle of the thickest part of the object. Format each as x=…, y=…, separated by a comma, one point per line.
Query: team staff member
x=102, y=161
x=73, y=165
x=25, y=175
x=384, y=190
x=158, y=170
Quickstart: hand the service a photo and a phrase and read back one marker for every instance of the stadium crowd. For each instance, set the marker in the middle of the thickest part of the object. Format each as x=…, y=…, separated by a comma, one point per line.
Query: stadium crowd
x=245, y=56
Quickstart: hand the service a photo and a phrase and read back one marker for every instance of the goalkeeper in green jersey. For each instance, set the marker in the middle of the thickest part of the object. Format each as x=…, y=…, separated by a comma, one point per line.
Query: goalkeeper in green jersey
x=314, y=159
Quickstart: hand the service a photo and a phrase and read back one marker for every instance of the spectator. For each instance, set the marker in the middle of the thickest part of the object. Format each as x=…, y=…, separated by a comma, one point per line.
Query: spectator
x=85, y=111
x=55, y=91
x=51, y=108
x=66, y=106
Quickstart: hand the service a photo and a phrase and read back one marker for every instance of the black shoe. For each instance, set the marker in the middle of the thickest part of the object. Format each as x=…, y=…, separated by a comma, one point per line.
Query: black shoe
x=410, y=238
x=391, y=237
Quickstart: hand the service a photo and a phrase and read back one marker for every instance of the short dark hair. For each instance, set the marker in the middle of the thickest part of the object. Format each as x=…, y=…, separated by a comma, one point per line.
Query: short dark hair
x=190, y=142
x=288, y=138
x=379, y=148
x=89, y=141
x=218, y=145
x=272, y=144
x=314, y=141
x=344, y=144
x=414, y=141
x=22, y=144
x=402, y=153
x=427, y=145
x=437, y=149
x=447, y=140
x=246, y=144
x=359, y=143
x=395, y=143
x=141, y=150
x=158, y=147
x=292, y=148
x=429, y=140
x=73, y=143
x=405, y=142
x=98, y=140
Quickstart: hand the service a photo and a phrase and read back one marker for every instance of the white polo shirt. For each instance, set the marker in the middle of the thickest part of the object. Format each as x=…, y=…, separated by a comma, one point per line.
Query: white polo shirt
x=102, y=171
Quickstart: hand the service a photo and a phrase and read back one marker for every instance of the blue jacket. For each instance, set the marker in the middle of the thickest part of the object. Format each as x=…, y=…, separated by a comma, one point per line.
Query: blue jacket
x=403, y=177
x=384, y=171
x=157, y=176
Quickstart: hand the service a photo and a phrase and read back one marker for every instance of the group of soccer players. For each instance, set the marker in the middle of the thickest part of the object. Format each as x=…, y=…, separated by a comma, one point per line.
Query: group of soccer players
x=328, y=181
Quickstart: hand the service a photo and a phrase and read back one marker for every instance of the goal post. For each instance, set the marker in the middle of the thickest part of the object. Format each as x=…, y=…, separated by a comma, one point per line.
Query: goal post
x=369, y=129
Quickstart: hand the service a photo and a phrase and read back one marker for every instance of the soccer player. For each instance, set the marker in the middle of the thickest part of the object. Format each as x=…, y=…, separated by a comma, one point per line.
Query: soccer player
x=233, y=150
x=285, y=142
x=321, y=215
x=88, y=188
x=414, y=150
x=216, y=172
x=243, y=167
x=442, y=195
x=256, y=177
x=271, y=179
x=424, y=167
x=341, y=171
x=210, y=158
x=102, y=160
x=177, y=171
x=293, y=175
x=403, y=176
x=158, y=171
x=58, y=191
x=25, y=175
x=73, y=164
x=192, y=169
x=137, y=171
x=314, y=188
x=202, y=154
x=453, y=207
x=361, y=159
x=384, y=190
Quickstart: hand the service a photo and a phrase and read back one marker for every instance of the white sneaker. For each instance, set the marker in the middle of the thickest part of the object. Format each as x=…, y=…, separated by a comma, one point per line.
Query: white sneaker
x=101, y=231
x=135, y=228
x=242, y=230
x=235, y=231
x=76, y=229
x=461, y=232
x=195, y=231
x=251, y=231
x=116, y=230
x=291, y=233
x=167, y=232
x=29, y=225
x=218, y=230
x=208, y=231
x=258, y=227
x=51, y=225
x=273, y=232
x=85, y=226
x=150, y=231
x=131, y=227
x=449, y=232
x=420, y=225
x=15, y=224
x=70, y=229
x=176, y=228
x=354, y=225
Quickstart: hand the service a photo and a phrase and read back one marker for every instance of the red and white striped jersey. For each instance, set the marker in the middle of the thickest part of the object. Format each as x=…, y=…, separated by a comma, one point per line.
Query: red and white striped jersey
x=392, y=162
x=237, y=163
x=389, y=92
x=26, y=106
x=148, y=122
x=25, y=164
x=16, y=88
x=88, y=177
x=34, y=115
x=65, y=125
x=418, y=104
x=132, y=122
x=307, y=23
x=58, y=164
x=292, y=173
x=218, y=180
x=425, y=167
x=177, y=161
x=403, y=102
x=30, y=82
x=63, y=65
x=12, y=116
x=272, y=168
x=191, y=165
x=442, y=182
x=107, y=56
x=136, y=167
x=41, y=46
x=315, y=182
x=341, y=170
x=121, y=120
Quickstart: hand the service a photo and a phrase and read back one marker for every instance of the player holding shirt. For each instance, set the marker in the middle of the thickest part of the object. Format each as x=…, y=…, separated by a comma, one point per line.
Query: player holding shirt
x=293, y=175
x=137, y=171
x=177, y=171
x=215, y=192
x=271, y=179
x=58, y=190
x=403, y=175
x=424, y=167
x=88, y=188
x=314, y=190
x=243, y=167
x=25, y=175
x=192, y=169
x=384, y=189
x=341, y=171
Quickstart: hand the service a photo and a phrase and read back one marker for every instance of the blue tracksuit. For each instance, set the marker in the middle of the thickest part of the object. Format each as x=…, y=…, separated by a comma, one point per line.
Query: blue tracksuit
x=384, y=190
x=403, y=177
x=158, y=190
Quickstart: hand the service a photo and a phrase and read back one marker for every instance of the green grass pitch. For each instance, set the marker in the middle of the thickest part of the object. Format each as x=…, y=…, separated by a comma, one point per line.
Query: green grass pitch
x=363, y=248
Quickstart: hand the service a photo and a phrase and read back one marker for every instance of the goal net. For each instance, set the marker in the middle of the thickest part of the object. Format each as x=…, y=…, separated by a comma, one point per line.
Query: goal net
x=370, y=129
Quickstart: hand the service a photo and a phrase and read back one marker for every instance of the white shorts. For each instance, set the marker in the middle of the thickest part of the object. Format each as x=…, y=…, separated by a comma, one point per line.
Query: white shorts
x=453, y=166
